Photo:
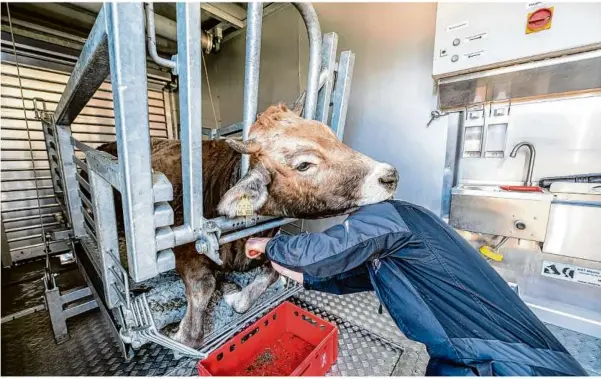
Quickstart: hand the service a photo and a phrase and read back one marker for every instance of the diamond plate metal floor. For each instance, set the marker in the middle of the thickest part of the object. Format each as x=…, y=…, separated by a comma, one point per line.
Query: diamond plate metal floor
x=370, y=343
x=362, y=309
x=28, y=348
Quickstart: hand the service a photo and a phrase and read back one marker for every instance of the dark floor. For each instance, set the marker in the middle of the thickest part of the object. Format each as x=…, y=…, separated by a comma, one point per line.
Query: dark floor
x=23, y=287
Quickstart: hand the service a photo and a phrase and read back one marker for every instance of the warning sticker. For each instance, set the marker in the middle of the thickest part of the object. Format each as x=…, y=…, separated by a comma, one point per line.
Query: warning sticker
x=572, y=273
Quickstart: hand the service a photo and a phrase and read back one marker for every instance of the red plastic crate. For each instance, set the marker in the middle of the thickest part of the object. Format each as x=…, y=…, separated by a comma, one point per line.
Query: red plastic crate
x=288, y=341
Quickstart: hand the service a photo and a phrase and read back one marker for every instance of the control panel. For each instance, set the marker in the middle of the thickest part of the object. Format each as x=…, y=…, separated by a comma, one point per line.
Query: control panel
x=476, y=36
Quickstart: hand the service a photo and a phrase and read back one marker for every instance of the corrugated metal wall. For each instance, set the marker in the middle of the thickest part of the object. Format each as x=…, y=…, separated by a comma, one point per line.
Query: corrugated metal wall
x=94, y=126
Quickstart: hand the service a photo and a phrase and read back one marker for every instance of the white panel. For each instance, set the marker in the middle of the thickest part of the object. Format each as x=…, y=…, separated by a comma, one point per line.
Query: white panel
x=473, y=36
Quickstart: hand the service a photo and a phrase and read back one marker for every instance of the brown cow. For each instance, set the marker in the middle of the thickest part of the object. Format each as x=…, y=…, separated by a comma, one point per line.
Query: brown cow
x=298, y=168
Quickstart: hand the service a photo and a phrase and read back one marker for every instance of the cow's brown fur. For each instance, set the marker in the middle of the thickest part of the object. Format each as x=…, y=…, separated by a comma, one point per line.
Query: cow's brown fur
x=275, y=186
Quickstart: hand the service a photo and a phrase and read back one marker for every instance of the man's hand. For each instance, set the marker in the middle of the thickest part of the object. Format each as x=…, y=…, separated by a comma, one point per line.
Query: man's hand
x=255, y=247
x=296, y=276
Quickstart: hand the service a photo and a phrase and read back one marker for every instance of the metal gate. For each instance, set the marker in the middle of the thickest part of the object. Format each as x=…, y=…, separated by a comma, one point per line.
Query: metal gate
x=94, y=126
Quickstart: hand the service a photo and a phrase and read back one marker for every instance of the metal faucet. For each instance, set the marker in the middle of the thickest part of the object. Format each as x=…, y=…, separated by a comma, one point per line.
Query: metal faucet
x=530, y=160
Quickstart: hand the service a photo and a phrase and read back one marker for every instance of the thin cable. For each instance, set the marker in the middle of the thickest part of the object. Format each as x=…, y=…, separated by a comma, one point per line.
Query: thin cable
x=35, y=174
x=204, y=64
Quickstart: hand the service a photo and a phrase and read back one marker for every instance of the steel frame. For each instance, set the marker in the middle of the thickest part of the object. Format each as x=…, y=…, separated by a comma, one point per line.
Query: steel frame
x=117, y=45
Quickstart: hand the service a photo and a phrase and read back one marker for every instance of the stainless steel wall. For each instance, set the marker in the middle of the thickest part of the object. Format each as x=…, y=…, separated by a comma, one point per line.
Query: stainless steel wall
x=566, y=133
x=392, y=92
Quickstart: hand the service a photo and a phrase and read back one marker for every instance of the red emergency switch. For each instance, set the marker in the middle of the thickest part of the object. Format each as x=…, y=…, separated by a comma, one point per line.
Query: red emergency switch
x=539, y=20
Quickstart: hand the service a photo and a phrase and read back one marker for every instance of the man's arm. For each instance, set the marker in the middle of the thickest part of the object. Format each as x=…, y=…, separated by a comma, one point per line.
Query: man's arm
x=371, y=230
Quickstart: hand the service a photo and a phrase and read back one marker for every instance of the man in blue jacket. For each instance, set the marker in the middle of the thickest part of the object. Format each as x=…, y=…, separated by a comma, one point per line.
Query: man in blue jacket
x=435, y=285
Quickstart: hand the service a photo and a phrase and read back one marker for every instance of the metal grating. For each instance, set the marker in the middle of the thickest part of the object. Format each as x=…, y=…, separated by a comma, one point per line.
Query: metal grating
x=94, y=126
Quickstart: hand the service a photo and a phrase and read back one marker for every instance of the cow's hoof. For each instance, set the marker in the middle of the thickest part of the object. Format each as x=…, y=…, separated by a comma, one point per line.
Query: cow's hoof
x=238, y=300
x=184, y=339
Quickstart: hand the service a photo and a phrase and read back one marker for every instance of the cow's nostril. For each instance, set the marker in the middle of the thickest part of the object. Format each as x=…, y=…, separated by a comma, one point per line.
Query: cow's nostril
x=390, y=179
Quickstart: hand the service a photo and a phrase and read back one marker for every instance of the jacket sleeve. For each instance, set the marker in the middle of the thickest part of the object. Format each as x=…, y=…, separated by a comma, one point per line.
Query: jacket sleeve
x=372, y=230
x=353, y=281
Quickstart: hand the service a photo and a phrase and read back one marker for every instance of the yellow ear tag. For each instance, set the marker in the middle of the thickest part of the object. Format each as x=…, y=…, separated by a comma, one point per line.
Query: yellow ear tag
x=244, y=208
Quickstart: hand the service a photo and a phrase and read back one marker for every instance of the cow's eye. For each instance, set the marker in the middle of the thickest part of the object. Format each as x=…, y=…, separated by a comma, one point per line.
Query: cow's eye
x=303, y=166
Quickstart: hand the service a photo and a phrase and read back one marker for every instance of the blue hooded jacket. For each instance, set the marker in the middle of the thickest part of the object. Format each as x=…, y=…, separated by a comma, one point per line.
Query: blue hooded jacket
x=438, y=289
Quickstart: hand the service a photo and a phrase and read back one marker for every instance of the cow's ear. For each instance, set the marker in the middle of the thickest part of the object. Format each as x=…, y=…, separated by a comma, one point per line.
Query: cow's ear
x=299, y=104
x=249, y=192
x=248, y=147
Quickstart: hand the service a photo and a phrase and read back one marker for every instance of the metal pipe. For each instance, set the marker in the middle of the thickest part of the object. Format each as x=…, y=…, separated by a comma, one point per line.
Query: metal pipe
x=151, y=39
x=254, y=230
x=254, y=22
x=226, y=225
x=314, y=31
x=189, y=63
x=531, y=159
x=165, y=27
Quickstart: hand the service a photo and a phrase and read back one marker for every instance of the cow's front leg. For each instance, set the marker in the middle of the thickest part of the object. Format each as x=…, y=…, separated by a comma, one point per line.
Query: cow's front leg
x=242, y=300
x=199, y=281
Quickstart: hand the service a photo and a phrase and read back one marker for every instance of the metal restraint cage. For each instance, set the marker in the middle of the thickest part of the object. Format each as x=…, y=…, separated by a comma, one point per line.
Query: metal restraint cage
x=117, y=46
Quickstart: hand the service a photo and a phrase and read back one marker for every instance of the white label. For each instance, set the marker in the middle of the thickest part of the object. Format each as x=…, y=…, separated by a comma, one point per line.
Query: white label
x=534, y=4
x=476, y=37
x=572, y=273
x=460, y=25
x=474, y=54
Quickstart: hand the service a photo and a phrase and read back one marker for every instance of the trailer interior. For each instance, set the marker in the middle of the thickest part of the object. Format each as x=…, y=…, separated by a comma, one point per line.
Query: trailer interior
x=494, y=126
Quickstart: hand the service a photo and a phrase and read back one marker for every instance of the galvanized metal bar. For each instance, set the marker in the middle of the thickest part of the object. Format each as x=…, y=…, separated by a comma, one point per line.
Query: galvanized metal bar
x=90, y=232
x=53, y=160
x=342, y=92
x=90, y=71
x=83, y=182
x=106, y=232
x=70, y=186
x=89, y=219
x=125, y=29
x=85, y=201
x=79, y=163
x=254, y=230
x=80, y=145
x=189, y=67
x=106, y=166
x=251, y=73
x=230, y=129
x=230, y=224
x=80, y=308
x=76, y=294
x=314, y=31
x=328, y=62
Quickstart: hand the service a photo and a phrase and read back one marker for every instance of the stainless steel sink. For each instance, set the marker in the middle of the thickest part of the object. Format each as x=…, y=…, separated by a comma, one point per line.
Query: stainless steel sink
x=490, y=210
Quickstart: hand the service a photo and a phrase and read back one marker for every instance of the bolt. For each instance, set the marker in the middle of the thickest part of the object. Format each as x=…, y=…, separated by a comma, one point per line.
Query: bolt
x=202, y=247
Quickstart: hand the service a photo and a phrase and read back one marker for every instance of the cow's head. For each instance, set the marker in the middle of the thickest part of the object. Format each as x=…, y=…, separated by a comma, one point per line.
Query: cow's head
x=300, y=169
